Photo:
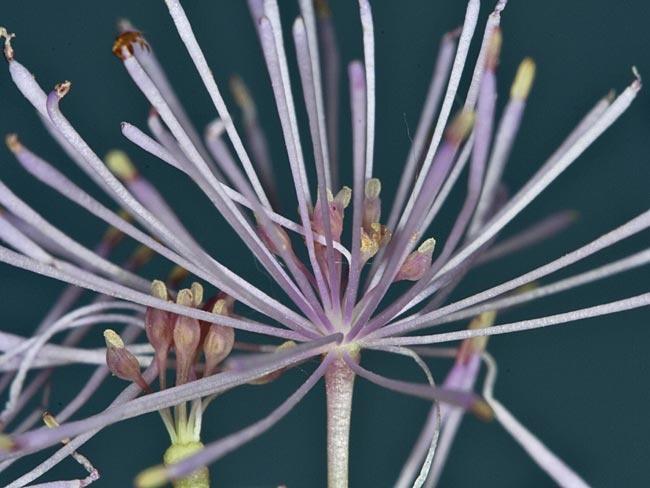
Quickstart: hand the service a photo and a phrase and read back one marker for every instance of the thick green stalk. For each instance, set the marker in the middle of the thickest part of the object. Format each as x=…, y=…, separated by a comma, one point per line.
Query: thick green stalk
x=177, y=452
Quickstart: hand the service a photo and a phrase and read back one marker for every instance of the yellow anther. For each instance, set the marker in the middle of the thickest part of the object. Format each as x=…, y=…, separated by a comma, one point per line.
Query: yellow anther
x=185, y=298
x=13, y=143
x=427, y=246
x=460, y=126
x=523, y=80
x=197, y=293
x=120, y=164
x=373, y=188
x=113, y=339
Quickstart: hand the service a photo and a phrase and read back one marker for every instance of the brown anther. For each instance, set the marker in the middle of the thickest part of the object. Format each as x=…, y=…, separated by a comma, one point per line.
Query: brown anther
x=141, y=256
x=123, y=45
x=13, y=143
x=177, y=275
x=322, y=9
x=242, y=97
x=62, y=89
x=8, y=49
x=482, y=410
x=494, y=49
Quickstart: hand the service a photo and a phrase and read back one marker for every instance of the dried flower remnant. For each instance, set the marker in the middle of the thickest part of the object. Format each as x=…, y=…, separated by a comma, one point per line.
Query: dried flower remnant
x=329, y=302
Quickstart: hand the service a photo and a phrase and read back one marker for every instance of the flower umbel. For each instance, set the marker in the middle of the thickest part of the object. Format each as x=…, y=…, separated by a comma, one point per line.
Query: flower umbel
x=333, y=264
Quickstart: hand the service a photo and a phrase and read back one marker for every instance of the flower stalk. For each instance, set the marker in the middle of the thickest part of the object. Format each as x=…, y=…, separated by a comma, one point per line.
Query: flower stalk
x=339, y=385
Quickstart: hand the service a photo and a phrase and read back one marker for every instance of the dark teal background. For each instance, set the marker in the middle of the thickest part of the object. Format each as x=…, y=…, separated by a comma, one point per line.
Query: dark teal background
x=582, y=388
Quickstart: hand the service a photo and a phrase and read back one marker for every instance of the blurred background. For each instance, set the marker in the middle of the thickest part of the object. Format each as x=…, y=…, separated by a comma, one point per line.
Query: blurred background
x=581, y=388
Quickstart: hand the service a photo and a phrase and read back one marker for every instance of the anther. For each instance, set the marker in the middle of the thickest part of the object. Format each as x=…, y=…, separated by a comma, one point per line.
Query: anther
x=8, y=49
x=123, y=45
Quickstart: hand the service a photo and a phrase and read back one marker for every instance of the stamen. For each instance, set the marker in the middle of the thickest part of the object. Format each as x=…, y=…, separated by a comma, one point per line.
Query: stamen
x=636, y=260
x=255, y=137
x=536, y=233
x=638, y=301
x=431, y=103
x=471, y=18
x=86, y=280
x=365, y=13
x=358, y=116
x=545, y=175
x=187, y=36
x=220, y=276
x=79, y=252
x=128, y=393
x=278, y=71
x=557, y=469
x=504, y=140
x=309, y=19
x=42, y=438
x=332, y=68
x=467, y=401
x=632, y=227
x=317, y=127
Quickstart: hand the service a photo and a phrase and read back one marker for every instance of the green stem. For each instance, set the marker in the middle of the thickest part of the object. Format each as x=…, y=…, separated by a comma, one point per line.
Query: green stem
x=177, y=452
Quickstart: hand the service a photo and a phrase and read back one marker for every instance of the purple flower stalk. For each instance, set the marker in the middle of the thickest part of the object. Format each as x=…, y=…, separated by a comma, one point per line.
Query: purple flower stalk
x=332, y=264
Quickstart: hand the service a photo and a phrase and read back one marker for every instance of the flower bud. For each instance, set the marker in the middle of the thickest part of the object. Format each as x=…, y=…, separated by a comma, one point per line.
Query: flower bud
x=280, y=241
x=187, y=336
x=336, y=206
x=219, y=339
x=158, y=325
x=121, y=362
x=417, y=263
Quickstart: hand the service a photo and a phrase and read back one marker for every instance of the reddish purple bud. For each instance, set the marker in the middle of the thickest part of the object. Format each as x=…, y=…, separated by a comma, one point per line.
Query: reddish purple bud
x=219, y=339
x=336, y=208
x=158, y=323
x=187, y=337
x=417, y=263
x=280, y=242
x=121, y=362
